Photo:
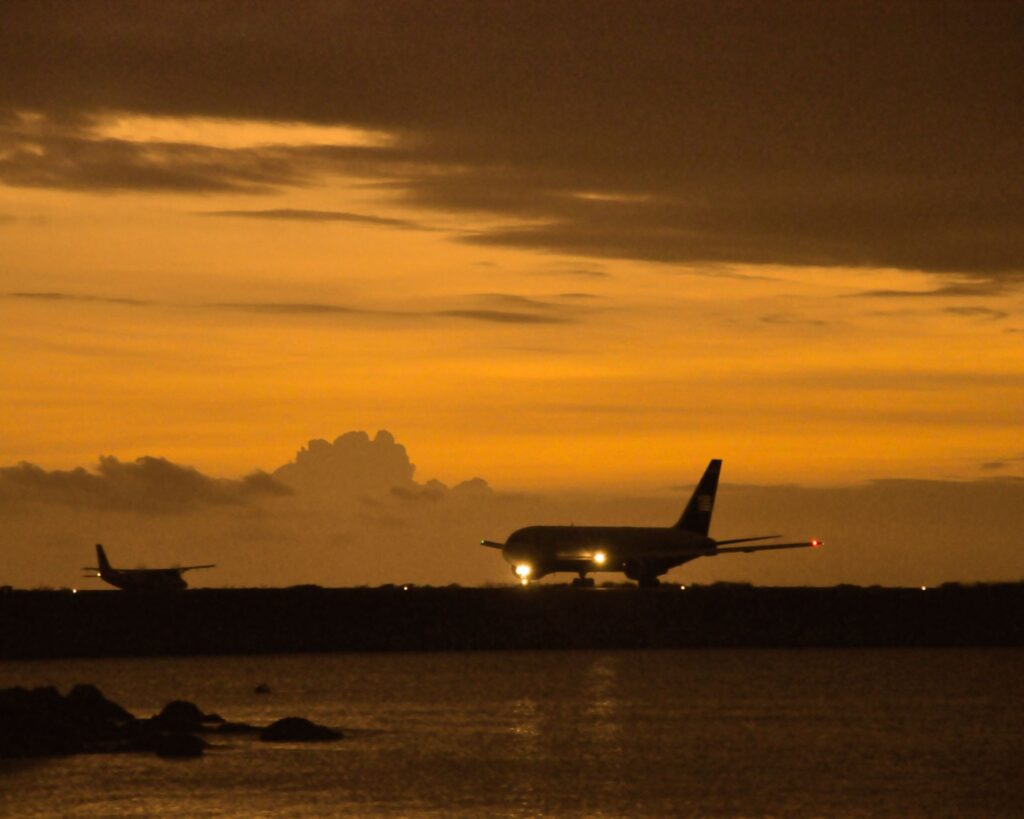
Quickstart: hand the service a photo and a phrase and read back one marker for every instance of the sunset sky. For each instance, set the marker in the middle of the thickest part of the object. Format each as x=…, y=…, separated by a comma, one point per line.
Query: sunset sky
x=562, y=246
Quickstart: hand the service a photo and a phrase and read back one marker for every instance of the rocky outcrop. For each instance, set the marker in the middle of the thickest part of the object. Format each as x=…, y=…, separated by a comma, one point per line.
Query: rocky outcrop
x=184, y=716
x=297, y=729
x=40, y=722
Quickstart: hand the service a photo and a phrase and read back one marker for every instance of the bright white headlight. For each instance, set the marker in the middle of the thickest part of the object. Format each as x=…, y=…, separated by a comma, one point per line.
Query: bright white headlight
x=523, y=570
x=600, y=558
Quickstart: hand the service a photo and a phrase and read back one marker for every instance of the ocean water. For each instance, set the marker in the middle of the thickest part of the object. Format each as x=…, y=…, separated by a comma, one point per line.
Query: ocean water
x=784, y=733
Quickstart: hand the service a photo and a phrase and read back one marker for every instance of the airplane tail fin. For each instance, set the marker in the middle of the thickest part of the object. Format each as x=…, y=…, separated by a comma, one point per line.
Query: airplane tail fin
x=101, y=559
x=696, y=516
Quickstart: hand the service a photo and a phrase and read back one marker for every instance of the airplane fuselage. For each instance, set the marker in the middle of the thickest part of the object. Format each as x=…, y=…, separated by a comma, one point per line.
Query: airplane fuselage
x=638, y=551
x=145, y=579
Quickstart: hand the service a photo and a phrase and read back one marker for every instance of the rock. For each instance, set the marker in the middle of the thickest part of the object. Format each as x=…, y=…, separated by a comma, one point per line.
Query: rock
x=297, y=729
x=40, y=722
x=183, y=716
x=178, y=746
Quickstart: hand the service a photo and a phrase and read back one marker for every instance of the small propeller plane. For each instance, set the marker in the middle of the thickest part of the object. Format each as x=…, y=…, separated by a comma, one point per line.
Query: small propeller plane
x=641, y=552
x=147, y=580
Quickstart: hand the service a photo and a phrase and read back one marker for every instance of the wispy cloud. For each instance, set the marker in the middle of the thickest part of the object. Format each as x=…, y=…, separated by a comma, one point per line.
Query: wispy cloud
x=323, y=216
x=793, y=319
x=294, y=308
x=977, y=312
x=981, y=287
x=501, y=316
x=73, y=297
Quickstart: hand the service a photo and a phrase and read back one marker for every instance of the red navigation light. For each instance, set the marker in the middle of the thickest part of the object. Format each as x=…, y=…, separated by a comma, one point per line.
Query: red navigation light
x=815, y=544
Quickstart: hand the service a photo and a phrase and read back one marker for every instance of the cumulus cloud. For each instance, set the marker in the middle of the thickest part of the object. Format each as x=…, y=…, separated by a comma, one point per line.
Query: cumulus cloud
x=874, y=134
x=356, y=513
x=148, y=484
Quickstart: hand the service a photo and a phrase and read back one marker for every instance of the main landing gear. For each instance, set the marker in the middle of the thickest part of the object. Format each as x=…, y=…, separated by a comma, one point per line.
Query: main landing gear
x=648, y=582
x=583, y=582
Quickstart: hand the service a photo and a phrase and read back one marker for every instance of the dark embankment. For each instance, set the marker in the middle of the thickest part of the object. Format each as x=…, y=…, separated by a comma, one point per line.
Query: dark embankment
x=235, y=621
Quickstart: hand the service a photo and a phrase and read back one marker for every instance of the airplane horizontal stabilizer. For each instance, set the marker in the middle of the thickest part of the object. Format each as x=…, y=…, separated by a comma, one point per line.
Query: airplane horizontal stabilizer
x=805, y=544
x=492, y=544
x=745, y=539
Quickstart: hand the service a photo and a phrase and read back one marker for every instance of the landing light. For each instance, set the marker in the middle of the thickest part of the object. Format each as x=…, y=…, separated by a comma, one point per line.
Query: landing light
x=600, y=558
x=523, y=570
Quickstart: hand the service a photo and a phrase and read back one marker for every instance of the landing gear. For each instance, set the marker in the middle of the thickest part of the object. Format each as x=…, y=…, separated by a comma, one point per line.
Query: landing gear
x=648, y=581
x=583, y=582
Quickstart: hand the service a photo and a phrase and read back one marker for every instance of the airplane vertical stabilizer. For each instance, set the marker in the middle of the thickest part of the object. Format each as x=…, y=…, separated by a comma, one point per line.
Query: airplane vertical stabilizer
x=697, y=515
x=101, y=559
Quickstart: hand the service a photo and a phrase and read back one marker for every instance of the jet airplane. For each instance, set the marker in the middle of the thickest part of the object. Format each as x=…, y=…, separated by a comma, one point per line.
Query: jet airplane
x=641, y=552
x=147, y=580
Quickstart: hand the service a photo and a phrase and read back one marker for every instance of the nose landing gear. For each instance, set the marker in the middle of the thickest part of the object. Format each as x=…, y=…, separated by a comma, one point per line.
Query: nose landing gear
x=583, y=582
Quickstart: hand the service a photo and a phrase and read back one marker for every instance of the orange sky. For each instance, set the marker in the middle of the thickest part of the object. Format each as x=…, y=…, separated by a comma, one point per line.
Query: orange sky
x=574, y=249
x=558, y=246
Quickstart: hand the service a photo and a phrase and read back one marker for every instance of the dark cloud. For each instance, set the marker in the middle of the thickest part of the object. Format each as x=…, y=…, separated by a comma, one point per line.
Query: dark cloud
x=81, y=163
x=148, y=485
x=852, y=133
x=295, y=215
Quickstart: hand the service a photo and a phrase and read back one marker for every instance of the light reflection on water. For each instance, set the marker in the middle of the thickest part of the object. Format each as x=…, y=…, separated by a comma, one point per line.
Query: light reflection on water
x=704, y=733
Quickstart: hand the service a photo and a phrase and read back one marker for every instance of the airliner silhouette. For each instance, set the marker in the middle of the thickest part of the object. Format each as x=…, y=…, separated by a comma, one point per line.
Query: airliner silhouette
x=141, y=579
x=641, y=552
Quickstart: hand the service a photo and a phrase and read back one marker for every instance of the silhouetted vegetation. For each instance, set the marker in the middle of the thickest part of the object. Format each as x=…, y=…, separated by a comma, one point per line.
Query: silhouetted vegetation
x=395, y=618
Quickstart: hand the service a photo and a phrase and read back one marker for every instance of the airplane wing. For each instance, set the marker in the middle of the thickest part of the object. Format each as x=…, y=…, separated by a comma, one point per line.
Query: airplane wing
x=656, y=554
x=189, y=568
